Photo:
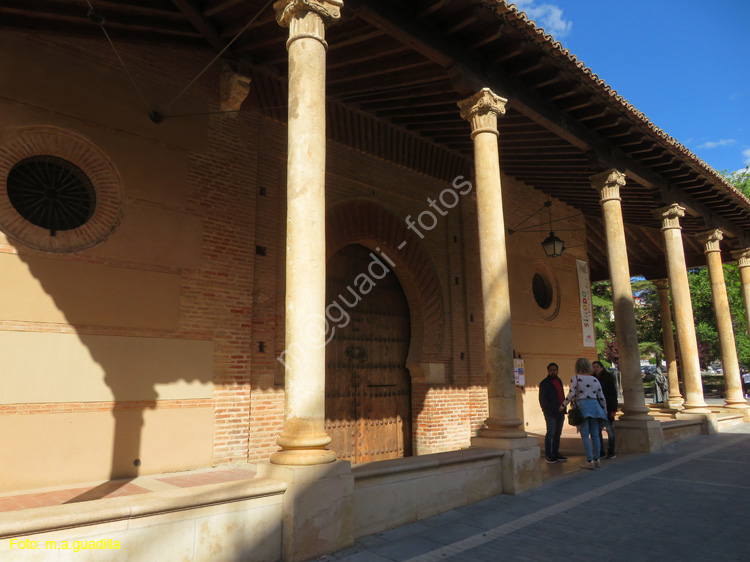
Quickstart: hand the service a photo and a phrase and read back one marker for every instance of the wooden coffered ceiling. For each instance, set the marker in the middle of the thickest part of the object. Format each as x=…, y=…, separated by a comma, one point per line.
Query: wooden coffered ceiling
x=395, y=72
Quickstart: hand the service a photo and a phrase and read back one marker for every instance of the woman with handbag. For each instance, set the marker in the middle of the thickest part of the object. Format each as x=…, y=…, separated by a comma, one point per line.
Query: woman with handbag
x=587, y=395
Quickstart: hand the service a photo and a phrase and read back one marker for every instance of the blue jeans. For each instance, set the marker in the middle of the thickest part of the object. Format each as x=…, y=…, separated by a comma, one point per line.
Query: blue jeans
x=590, y=428
x=555, y=424
x=610, y=428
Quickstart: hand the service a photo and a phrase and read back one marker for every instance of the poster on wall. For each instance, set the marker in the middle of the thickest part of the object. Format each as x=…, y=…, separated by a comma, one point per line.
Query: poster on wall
x=519, y=372
x=587, y=311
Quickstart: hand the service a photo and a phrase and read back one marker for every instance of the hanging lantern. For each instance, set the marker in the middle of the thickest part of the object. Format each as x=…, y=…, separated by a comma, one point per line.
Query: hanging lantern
x=553, y=246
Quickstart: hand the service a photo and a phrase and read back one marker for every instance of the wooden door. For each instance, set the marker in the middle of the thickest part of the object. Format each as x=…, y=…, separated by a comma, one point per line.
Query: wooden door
x=368, y=390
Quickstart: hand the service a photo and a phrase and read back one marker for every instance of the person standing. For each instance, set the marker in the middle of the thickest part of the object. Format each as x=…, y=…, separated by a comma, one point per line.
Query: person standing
x=587, y=392
x=609, y=388
x=551, y=396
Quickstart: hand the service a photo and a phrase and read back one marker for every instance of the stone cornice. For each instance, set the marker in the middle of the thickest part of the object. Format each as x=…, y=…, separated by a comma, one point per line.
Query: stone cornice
x=711, y=240
x=670, y=216
x=608, y=184
x=482, y=110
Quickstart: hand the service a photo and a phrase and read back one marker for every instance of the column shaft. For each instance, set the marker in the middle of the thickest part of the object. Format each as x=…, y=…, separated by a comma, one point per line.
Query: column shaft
x=675, y=399
x=732, y=383
x=482, y=110
x=303, y=439
x=683, y=311
x=634, y=406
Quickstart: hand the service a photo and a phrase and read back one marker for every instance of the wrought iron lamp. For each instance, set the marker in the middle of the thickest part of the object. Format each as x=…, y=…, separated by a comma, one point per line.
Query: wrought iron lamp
x=553, y=246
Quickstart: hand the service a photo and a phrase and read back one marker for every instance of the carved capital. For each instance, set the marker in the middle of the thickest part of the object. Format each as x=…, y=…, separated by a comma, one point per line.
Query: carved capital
x=670, y=216
x=608, y=184
x=661, y=284
x=742, y=256
x=711, y=240
x=482, y=110
x=328, y=10
x=307, y=18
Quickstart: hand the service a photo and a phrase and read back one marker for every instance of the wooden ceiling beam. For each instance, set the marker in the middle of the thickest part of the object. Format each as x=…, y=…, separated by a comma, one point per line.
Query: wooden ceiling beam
x=189, y=9
x=476, y=74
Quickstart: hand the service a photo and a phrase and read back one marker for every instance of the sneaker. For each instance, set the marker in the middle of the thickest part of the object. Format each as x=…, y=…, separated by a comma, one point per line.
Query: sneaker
x=551, y=460
x=598, y=463
x=561, y=458
x=612, y=456
x=589, y=465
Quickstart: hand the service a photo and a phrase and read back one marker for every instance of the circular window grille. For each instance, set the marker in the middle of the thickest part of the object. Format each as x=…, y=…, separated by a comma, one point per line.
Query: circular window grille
x=545, y=290
x=51, y=192
x=59, y=192
x=542, y=291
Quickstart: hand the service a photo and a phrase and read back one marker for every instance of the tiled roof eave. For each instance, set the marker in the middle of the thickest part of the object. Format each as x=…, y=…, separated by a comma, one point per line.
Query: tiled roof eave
x=567, y=59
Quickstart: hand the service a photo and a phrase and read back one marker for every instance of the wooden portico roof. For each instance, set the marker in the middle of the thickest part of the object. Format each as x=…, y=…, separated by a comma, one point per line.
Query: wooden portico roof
x=395, y=72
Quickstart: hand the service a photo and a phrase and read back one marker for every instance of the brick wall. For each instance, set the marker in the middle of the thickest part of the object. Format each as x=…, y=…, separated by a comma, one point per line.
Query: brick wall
x=236, y=297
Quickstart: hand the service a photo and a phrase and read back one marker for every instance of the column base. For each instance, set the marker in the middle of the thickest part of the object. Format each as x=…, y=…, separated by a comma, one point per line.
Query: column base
x=521, y=468
x=318, y=508
x=736, y=404
x=674, y=404
x=710, y=420
x=742, y=408
x=303, y=457
x=638, y=436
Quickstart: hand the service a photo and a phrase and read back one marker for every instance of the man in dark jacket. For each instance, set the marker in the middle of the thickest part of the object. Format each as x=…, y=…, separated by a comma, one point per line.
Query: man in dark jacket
x=551, y=395
x=609, y=387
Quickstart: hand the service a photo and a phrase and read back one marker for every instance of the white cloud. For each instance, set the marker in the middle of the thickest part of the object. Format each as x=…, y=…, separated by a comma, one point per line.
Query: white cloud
x=548, y=16
x=714, y=144
x=746, y=156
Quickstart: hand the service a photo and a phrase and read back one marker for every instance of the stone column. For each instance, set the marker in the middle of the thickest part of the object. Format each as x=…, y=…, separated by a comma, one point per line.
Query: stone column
x=733, y=384
x=318, y=502
x=637, y=431
x=608, y=184
x=675, y=400
x=502, y=427
x=683, y=309
x=743, y=264
x=303, y=440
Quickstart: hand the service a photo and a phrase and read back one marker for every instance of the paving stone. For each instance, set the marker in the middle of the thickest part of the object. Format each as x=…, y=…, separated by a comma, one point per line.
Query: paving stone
x=690, y=506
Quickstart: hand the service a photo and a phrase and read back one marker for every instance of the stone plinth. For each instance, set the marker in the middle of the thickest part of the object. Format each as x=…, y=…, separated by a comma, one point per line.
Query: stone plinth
x=521, y=469
x=710, y=420
x=639, y=436
x=318, y=509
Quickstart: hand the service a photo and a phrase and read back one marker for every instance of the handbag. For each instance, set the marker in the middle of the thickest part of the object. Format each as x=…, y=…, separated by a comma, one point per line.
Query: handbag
x=575, y=416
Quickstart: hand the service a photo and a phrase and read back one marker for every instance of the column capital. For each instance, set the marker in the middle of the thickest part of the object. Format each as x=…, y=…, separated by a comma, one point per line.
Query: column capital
x=297, y=16
x=742, y=256
x=670, y=216
x=661, y=284
x=711, y=239
x=608, y=184
x=482, y=110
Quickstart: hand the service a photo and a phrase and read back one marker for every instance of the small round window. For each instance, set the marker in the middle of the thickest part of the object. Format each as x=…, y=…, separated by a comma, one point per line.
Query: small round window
x=542, y=291
x=51, y=193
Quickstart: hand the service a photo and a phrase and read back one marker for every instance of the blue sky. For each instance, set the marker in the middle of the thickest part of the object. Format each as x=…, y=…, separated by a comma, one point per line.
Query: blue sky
x=684, y=63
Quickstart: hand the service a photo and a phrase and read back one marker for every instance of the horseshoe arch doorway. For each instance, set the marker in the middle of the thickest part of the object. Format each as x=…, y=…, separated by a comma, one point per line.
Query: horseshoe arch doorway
x=368, y=388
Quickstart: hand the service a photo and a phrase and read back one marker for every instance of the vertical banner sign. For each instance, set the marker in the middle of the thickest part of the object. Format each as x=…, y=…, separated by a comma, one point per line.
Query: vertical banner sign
x=519, y=372
x=587, y=311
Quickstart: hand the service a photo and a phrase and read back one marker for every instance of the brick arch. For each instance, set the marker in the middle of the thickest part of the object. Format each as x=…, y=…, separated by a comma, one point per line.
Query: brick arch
x=365, y=222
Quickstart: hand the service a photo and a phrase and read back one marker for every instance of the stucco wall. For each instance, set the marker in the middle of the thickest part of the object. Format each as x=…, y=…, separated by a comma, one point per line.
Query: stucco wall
x=168, y=329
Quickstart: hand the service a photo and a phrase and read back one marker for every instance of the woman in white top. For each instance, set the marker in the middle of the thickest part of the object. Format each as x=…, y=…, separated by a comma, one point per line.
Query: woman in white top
x=587, y=392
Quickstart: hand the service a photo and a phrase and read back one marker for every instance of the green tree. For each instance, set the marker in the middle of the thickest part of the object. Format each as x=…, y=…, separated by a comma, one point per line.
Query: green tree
x=740, y=179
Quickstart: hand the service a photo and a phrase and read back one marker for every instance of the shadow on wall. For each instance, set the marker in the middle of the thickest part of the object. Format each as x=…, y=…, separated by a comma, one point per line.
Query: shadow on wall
x=122, y=355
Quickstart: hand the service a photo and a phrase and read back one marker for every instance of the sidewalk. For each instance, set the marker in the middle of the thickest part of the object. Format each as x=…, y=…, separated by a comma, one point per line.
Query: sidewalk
x=687, y=502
